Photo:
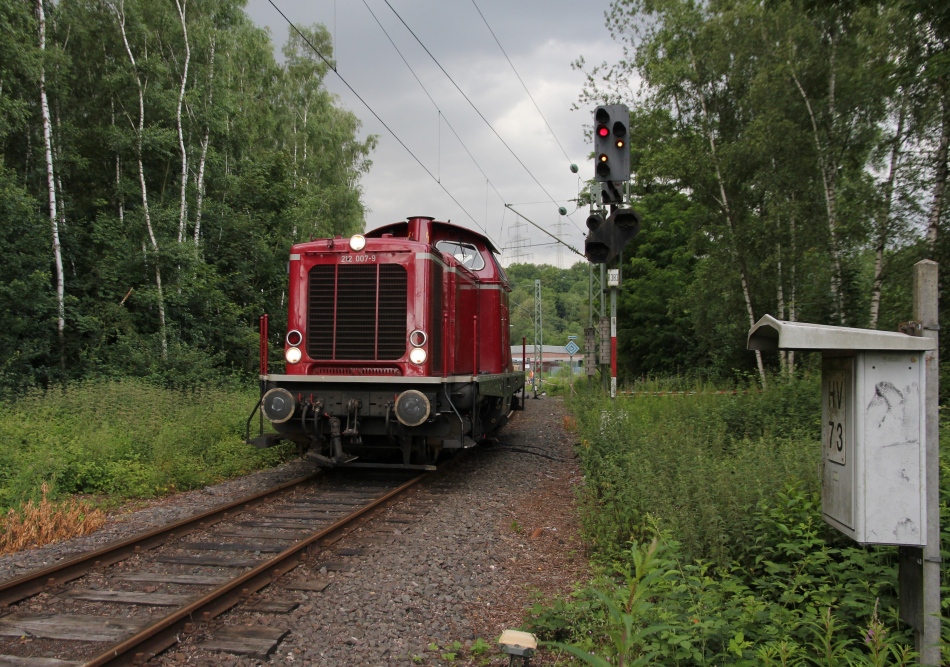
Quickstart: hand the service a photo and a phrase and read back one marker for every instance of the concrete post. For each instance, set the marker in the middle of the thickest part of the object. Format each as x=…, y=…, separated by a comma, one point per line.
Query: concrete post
x=925, y=313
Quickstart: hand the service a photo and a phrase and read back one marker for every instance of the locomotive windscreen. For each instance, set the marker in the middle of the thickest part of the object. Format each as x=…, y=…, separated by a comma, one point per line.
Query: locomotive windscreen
x=357, y=312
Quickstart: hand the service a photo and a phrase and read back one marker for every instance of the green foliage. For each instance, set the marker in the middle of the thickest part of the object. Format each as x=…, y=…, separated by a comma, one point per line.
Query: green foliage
x=699, y=463
x=775, y=152
x=818, y=604
x=125, y=438
x=704, y=518
x=563, y=302
x=27, y=308
x=271, y=159
x=479, y=647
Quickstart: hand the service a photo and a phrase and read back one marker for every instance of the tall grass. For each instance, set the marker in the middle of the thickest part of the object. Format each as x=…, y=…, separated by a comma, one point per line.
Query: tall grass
x=707, y=509
x=695, y=464
x=125, y=438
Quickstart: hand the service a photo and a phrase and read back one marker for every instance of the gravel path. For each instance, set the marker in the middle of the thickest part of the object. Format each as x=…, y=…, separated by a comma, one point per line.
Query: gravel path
x=480, y=541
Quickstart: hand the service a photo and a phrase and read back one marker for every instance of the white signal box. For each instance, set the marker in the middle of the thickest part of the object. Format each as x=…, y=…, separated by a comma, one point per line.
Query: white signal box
x=872, y=426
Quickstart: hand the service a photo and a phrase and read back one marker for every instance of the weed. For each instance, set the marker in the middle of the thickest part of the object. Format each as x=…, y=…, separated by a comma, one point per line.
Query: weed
x=37, y=523
x=479, y=647
x=125, y=438
x=741, y=569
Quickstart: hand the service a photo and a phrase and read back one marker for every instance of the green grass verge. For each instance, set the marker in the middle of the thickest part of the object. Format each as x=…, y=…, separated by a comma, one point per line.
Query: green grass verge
x=703, y=514
x=126, y=439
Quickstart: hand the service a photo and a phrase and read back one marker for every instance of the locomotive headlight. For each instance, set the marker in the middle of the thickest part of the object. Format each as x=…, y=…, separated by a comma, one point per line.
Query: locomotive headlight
x=417, y=355
x=357, y=242
x=293, y=355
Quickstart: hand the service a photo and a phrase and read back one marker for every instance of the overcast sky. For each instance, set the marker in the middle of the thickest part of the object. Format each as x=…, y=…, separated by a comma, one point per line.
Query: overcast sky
x=541, y=37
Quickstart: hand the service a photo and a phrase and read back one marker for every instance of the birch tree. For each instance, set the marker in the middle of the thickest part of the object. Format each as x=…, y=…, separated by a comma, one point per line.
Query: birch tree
x=51, y=192
x=181, y=6
x=141, y=83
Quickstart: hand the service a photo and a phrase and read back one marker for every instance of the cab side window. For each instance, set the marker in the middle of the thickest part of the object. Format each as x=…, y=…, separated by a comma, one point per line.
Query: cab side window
x=465, y=254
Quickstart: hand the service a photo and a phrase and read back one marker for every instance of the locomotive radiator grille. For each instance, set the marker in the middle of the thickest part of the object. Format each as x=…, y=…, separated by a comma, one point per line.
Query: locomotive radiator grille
x=357, y=312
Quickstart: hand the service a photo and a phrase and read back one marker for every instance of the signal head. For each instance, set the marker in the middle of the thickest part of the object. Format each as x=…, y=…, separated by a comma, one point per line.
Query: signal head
x=612, y=163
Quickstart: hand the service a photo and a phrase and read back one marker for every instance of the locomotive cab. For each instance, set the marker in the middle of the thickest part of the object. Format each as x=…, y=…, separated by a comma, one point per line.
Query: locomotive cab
x=397, y=348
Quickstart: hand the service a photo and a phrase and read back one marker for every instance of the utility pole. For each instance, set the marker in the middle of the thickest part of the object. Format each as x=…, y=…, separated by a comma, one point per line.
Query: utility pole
x=919, y=568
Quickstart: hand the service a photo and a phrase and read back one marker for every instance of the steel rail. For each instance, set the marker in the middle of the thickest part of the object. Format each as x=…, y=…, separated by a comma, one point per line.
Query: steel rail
x=166, y=632
x=32, y=583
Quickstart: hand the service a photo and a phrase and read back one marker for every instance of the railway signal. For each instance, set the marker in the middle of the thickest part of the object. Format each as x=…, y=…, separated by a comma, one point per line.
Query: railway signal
x=608, y=236
x=611, y=152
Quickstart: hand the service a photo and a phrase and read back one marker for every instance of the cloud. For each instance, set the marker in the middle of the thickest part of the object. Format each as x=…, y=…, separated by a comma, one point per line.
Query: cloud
x=542, y=38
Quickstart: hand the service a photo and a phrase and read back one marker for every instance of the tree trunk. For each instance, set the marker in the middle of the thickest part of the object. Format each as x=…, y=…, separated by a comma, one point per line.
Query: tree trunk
x=183, y=200
x=780, y=302
x=940, y=180
x=792, y=306
x=728, y=216
x=829, y=182
x=139, y=131
x=51, y=187
x=120, y=202
x=884, y=220
x=200, y=185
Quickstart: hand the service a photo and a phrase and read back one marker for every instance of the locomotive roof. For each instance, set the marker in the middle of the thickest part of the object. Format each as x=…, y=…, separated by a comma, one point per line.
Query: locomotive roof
x=401, y=229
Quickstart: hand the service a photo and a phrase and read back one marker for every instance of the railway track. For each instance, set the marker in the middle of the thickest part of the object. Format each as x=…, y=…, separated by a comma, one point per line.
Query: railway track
x=125, y=603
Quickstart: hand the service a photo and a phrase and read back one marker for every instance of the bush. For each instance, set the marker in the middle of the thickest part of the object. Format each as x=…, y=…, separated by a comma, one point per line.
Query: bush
x=125, y=438
x=697, y=463
x=741, y=567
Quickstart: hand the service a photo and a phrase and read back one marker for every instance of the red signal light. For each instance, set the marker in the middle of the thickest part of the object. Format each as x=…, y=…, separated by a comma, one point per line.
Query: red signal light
x=602, y=131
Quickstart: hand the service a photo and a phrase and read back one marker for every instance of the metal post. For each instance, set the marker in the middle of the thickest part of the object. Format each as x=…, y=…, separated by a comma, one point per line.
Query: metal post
x=570, y=365
x=538, y=339
x=613, y=342
x=925, y=313
x=264, y=333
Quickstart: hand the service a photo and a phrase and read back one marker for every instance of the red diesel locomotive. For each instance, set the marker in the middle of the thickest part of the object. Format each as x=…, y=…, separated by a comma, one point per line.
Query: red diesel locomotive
x=397, y=347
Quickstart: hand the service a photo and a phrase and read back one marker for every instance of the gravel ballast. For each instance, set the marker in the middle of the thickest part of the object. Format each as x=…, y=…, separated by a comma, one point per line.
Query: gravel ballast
x=459, y=560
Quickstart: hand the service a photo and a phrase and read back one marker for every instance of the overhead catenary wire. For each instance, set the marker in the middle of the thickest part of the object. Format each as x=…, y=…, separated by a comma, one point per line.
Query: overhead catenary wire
x=442, y=116
x=373, y=111
x=532, y=222
x=521, y=81
x=472, y=104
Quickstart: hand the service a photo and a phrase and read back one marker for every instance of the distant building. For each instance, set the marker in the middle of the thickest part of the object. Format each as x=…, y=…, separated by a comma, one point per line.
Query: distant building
x=554, y=358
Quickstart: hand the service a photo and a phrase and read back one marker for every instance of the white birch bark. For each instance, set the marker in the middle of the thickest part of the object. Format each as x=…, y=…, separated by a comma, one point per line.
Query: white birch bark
x=728, y=215
x=139, y=131
x=792, y=306
x=884, y=219
x=780, y=302
x=183, y=200
x=118, y=176
x=51, y=187
x=829, y=182
x=200, y=185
